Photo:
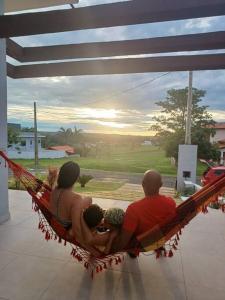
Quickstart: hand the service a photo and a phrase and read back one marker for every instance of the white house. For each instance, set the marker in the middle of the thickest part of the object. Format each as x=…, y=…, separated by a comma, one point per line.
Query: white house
x=27, y=141
x=219, y=138
x=24, y=149
x=220, y=133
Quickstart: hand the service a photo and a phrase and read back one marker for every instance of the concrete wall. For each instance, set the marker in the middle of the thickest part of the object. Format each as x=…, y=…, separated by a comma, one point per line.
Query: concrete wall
x=30, y=154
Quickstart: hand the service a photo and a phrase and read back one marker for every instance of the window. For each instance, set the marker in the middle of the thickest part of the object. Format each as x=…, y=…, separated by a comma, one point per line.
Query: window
x=186, y=174
x=219, y=172
x=30, y=142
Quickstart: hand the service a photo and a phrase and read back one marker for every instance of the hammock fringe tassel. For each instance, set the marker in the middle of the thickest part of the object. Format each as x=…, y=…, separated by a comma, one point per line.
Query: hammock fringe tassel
x=162, y=239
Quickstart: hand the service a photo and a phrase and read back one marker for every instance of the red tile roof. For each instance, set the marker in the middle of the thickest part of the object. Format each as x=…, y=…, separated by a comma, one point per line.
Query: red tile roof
x=219, y=126
x=66, y=148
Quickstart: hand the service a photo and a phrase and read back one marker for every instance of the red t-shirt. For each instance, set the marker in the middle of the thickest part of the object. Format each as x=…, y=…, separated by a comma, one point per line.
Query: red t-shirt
x=144, y=214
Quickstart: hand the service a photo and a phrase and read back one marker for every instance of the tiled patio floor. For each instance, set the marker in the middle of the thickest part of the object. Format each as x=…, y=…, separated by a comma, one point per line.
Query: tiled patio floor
x=31, y=268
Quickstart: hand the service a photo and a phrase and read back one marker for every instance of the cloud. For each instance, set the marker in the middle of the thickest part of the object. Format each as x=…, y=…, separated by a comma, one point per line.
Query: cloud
x=71, y=100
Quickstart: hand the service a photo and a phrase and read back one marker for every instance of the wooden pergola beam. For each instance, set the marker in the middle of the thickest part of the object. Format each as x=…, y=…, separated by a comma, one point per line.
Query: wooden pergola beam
x=108, y=15
x=14, y=50
x=18, y=5
x=191, y=42
x=120, y=66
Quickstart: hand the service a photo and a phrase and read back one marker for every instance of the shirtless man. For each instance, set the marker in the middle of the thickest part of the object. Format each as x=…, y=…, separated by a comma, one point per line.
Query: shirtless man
x=144, y=214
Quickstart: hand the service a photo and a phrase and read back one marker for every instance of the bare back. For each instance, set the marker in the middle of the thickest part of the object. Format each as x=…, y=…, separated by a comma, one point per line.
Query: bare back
x=67, y=206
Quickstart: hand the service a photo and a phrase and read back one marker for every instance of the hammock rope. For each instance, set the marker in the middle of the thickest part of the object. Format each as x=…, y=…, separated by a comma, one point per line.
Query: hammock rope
x=162, y=239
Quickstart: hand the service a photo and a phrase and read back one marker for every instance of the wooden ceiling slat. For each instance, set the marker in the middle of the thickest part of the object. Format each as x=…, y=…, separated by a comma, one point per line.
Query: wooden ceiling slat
x=122, y=66
x=192, y=42
x=107, y=15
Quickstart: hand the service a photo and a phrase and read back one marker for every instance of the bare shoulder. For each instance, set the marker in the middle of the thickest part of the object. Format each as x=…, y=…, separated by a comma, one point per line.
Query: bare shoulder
x=86, y=201
x=78, y=200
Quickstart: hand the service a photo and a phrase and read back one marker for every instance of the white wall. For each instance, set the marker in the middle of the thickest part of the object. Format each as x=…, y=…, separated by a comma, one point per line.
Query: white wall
x=220, y=135
x=41, y=154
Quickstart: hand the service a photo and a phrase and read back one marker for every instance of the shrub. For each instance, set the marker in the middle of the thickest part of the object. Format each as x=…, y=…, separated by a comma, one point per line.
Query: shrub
x=84, y=179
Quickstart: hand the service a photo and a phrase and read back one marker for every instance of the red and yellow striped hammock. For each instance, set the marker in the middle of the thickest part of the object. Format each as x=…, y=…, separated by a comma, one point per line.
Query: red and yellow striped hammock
x=161, y=239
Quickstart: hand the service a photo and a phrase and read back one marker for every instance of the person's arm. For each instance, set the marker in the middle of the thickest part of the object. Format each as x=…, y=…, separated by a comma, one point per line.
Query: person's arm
x=112, y=237
x=78, y=232
x=130, y=224
x=122, y=240
x=86, y=232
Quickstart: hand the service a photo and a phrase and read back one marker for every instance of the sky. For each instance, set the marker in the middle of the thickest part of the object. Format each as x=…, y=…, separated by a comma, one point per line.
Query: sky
x=123, y=104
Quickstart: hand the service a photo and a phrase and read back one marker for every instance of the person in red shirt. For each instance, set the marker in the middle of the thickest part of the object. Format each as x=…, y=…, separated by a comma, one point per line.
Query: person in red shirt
x=144, y=214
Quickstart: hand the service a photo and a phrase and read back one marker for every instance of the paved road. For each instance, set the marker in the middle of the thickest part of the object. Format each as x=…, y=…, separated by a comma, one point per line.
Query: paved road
x=136, y=178
x=168, y=181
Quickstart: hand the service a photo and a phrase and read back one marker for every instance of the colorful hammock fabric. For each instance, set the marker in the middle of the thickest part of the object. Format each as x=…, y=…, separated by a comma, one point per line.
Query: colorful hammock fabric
x=161, y=239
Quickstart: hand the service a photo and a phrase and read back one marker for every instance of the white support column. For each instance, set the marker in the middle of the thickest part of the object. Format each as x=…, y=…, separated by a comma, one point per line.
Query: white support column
x=4, y=202
x=187, y=165
x=187, y=154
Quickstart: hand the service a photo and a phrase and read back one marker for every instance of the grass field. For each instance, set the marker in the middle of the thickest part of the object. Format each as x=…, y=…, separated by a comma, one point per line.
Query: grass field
x=119, y=159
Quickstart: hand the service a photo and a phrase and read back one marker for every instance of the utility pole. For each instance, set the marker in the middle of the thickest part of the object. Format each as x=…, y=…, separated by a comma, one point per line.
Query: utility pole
x=35, y=138
x=189, y=111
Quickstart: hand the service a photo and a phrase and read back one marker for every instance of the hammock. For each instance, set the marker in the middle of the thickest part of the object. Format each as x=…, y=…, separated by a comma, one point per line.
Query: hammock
x=162, y=239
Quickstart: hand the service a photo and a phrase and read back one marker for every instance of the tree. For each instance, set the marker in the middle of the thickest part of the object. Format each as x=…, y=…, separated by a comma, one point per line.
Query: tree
x=66, y=135
x=170, y=125
x=77, y=135
x=12, y=136
x=27, y=129
x=70, y=136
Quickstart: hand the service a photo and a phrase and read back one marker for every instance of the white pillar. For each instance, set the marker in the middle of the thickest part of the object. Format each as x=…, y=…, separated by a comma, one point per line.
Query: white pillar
x=4, y=203
x=187, y=165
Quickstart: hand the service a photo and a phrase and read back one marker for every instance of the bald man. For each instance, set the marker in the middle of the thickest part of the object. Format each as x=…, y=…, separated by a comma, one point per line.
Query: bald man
x=144, y=214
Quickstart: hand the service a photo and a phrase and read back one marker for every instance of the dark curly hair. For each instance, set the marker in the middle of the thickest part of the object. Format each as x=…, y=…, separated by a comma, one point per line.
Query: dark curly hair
x=93, y=215
x=68, y=175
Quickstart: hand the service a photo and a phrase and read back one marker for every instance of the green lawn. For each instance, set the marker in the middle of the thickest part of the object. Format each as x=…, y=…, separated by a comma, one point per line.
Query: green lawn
x=98, y=186
x=119, y=159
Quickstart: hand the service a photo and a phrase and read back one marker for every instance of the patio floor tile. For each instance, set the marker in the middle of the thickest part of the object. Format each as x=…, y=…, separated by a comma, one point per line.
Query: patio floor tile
x=33, y=269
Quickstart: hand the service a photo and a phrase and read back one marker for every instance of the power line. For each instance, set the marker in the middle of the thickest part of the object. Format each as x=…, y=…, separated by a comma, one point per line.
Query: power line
x=129, y=89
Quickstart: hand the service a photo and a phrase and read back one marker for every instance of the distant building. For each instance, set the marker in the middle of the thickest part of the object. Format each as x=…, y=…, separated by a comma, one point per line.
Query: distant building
x=147, y=143
x=27, y=141
x=219, y=138
x=220, y=133
x=24, y=149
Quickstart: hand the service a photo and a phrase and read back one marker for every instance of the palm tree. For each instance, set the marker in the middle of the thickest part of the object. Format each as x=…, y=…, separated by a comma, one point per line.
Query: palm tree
x=77, y=135
x=66, y=135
